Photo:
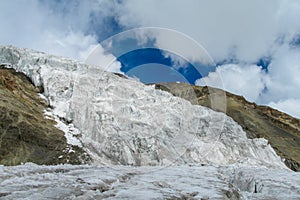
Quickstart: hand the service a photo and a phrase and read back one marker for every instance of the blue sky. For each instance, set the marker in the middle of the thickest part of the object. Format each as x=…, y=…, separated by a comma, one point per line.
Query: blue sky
x=169, y=73
x=255, y=44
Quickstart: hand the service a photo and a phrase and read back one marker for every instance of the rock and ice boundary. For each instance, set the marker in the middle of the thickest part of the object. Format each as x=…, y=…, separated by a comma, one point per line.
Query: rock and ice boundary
x=123, y=122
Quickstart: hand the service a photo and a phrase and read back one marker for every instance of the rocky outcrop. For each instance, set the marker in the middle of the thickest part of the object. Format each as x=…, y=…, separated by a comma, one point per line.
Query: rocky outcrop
x=281, y=130
x=25, y=133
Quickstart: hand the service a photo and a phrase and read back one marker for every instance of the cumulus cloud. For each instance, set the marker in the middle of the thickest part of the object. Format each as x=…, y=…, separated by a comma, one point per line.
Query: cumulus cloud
x=182, y=45
x=284, y=73
x=71, y=44
x=30, y=24
x=61, y=28
x=247, y=30
x=99, y=57
x=247, y=80
x=284, y=84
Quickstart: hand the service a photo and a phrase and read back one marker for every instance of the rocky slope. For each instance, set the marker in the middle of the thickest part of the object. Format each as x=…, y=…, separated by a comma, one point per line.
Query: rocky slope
x=26, y=135
x=281, y=130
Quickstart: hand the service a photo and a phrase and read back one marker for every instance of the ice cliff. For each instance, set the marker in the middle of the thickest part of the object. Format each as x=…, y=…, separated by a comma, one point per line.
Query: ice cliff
x=122, y=121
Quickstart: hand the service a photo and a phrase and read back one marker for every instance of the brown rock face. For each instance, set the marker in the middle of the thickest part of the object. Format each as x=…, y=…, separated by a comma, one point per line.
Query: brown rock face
x=280, y=129
x=25, y=134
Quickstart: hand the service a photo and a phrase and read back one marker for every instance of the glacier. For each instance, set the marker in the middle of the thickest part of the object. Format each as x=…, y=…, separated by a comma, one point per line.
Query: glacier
x=123, y=121
x=130, y=128
x=82, y=182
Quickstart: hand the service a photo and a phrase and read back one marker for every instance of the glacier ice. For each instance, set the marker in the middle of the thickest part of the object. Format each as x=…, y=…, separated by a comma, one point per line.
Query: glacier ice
x=122, y=121
x=32, y=181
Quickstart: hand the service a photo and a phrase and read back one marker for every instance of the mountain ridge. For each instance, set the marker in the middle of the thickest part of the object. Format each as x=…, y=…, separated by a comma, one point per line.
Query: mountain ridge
x=281, y=129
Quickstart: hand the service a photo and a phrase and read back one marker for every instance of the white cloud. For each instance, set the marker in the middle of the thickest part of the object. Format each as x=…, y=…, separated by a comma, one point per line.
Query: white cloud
x=177, y=61
x=284, y=70
x=60, y=28
x=247, y=28
x=248, y=81
x=71, y=44
x=107, y=61
x=56, y=28
x=21, y=22
x=181, y=45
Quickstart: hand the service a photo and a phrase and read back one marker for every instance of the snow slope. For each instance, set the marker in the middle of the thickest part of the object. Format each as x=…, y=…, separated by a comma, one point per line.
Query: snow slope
x=125, y=122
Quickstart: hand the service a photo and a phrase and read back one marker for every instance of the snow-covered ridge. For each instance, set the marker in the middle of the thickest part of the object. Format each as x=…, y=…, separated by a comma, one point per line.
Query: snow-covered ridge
x=123, y=121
